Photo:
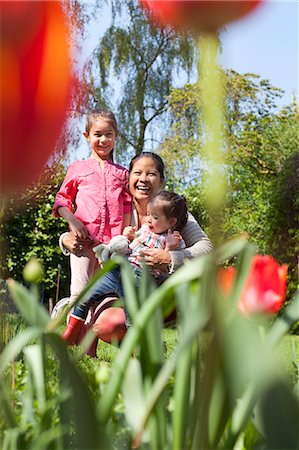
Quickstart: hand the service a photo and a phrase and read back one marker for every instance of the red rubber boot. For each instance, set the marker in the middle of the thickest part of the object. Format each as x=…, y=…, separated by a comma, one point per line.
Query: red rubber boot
x=73, y=329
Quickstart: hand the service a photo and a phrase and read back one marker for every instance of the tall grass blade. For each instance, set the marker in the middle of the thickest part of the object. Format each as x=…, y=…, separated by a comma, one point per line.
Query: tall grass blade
x=206, y=364
x=89, y=432
x=130, y=290
x=15, y=346
x=35, y=358
x=151, y=358
x=28, y=304
x=183, y=386
x=11, y=440
x=134, y=396
x=6, y=406
x=195, y=326
x=84, y=294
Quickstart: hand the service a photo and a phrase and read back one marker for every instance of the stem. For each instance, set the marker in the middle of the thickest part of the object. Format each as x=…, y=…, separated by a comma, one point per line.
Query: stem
x=211, y=105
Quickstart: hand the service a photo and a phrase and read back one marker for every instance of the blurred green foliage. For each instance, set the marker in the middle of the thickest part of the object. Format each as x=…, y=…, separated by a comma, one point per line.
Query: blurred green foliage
x=28, y=228
x=261, y=165
x=220, y=383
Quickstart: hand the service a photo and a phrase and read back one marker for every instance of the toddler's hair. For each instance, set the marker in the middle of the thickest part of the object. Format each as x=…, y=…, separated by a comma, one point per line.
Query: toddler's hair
x=106, y=114
x=173, y=206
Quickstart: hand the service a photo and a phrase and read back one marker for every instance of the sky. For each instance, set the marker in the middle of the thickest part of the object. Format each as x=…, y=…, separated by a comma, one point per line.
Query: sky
x=265, y=43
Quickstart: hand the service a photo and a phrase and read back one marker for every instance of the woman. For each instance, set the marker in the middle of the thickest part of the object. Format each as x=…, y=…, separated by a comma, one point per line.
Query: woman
x=146, y=177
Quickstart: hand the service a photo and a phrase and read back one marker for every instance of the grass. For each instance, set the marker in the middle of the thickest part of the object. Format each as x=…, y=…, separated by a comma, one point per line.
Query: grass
x=12, y=324
x=94, y=370
x=107, y=352
x=289, y=356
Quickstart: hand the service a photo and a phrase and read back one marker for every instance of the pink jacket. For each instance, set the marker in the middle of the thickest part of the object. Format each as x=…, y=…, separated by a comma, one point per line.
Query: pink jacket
x=99, y=197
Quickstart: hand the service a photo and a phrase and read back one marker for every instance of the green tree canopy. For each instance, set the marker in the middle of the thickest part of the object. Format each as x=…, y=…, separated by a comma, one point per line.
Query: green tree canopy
x=28, y=228
x=261, y=148
x=248, y=100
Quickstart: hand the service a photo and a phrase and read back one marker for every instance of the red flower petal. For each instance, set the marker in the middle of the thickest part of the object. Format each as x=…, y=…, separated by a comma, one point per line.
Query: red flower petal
x=197, y=15
x=265, y=287
x=35, y=77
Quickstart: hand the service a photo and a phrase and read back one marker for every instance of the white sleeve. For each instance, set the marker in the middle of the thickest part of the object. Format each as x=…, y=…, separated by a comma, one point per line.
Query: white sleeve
x=197, y=244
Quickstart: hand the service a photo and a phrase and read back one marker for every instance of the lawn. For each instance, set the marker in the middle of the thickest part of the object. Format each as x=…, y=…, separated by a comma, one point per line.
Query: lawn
x=33, y=416
x=12, y=324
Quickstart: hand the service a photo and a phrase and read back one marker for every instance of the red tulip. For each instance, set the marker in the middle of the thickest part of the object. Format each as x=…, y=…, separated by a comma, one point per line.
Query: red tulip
x=34, y=92
x=197, y=15
x=265, y=287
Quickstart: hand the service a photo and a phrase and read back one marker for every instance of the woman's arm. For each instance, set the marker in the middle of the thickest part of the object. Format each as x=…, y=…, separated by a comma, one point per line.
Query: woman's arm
x=197, y=244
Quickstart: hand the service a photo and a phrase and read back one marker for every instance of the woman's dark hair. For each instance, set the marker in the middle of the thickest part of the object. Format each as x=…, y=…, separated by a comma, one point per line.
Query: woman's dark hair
x=156, y=158
x=173, y=206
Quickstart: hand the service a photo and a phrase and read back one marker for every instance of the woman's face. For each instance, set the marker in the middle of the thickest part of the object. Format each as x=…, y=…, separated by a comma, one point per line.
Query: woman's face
x=145, y=179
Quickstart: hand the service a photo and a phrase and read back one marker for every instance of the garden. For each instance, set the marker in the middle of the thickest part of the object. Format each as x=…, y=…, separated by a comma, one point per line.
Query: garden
x=224, y=375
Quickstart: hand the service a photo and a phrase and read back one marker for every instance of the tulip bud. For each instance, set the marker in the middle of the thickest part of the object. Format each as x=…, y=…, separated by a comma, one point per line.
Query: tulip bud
x=33, y=271
x=103, y=374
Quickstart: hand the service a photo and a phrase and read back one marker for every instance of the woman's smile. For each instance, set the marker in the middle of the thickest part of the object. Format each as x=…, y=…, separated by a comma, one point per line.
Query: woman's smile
x=143, y=188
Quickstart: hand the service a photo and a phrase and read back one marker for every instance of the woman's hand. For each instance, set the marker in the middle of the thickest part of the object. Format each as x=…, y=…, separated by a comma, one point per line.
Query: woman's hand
x=173, y=240
x=75, y=244
x=157, y=258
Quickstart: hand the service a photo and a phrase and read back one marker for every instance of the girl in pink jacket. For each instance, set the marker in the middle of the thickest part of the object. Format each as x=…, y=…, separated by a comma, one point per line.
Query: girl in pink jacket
x=94, y=198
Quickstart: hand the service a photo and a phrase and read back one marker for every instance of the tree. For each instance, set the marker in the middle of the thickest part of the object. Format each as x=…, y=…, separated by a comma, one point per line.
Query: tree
x=261, y=147
x=28, y=228
x=248, y=100
x=143, y=61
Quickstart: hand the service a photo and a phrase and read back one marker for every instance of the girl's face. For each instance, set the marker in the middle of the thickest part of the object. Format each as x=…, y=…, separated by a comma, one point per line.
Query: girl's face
x=145, y=179
x=156, y=219
x=101, y=138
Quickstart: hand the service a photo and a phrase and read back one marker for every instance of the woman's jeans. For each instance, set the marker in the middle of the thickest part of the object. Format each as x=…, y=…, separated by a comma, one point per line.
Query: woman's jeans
x=110, y=283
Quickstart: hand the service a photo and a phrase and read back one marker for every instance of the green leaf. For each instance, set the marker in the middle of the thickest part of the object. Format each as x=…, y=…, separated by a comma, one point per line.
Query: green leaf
x=28, y=304
x=196, y=324
x=246, y=403
x=279, y=416
x=35, y=357
x=89, y=432
x=134, y=396
x=16, y=345
x=129, y=286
